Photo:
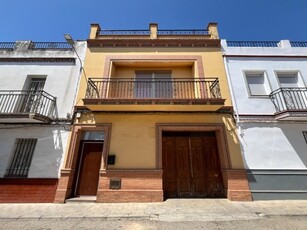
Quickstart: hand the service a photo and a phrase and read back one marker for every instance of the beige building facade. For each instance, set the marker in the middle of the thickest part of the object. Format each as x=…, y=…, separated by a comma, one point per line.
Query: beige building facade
x=153, y=120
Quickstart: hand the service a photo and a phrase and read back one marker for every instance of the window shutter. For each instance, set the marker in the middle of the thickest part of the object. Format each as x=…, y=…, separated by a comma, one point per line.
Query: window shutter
x=256, y=85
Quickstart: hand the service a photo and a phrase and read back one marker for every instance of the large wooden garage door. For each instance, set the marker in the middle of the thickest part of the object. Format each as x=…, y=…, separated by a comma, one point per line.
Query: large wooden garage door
x=191, y=166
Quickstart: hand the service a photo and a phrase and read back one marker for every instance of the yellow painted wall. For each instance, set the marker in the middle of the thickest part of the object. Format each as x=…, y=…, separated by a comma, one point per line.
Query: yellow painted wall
x=133, y=139
x=176, y=72
x=211, y=57
x=133, y=135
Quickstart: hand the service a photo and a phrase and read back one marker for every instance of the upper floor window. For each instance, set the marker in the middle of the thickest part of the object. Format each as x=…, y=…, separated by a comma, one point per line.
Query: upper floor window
x=257, y=84
x=31, y=99
x=287, y=80
x=37, y=84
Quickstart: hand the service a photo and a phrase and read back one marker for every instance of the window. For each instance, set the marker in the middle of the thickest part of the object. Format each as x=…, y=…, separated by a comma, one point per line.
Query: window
x=93, y=135
x=256, y=84
x=153, y=84
x=31, y=98
x=22, y=157
x=37, y=84
x=305, y=135
x=289, y=80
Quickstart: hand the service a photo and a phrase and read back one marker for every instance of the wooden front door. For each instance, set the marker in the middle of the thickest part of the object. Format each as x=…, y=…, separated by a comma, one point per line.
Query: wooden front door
x=191, y=166
x=89, y=168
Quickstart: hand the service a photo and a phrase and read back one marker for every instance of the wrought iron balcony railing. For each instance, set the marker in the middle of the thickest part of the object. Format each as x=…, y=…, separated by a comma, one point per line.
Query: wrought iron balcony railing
x=137, y=89
x=7, y=45
x=50, y=45
x=183, y=32
x=124, y=32
x=289, y=99
x=252, y=43
x=17, y=102
x=159, y=32
x=298, y=44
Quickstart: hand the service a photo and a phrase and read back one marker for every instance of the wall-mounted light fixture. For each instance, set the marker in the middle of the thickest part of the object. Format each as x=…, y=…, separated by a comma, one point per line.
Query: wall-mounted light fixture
x=71, y=42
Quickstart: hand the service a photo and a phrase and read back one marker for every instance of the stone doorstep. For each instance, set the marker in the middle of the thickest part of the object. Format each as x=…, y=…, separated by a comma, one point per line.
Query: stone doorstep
x=81, y=199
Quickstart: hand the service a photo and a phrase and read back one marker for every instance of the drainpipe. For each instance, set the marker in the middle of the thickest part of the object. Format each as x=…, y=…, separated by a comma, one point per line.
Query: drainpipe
x=237, y=117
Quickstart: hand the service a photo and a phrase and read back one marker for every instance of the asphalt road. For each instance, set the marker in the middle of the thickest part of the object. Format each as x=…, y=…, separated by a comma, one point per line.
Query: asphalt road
x=263, y=223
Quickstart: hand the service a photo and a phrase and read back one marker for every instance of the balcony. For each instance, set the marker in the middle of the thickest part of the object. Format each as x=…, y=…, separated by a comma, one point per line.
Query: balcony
x=177, y=94
x=18, y=106
x=290, y=103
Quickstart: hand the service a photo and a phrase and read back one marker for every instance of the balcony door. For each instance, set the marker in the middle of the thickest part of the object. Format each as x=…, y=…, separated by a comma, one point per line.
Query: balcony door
x=153, y=84
x=31, y=97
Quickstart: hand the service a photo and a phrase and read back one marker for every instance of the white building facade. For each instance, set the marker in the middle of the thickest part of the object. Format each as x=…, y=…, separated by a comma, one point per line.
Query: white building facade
x=39, y=82
x=268, y=84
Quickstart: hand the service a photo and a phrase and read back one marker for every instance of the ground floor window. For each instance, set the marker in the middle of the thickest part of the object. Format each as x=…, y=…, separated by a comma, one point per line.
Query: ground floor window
x=21, y=158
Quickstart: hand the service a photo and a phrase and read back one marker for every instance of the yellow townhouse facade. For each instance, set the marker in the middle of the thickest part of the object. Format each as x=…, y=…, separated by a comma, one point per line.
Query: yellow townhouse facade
x=153, y=120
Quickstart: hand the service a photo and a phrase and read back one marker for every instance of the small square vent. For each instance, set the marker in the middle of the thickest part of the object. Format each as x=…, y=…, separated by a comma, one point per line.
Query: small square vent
x=115, y=183
x=111, y=159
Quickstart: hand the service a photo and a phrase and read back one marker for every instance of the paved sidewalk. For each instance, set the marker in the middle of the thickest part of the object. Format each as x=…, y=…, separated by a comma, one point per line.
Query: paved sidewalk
x=171, y=210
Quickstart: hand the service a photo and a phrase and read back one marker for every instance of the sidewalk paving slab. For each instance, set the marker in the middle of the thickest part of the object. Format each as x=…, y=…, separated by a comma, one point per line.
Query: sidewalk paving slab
x=173, y=210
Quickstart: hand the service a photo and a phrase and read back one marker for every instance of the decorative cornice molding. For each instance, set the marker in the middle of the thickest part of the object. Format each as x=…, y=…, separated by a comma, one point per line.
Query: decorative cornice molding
x=263, y=56
x=154, y=43
x=277, y=117
x=37, y=59
x=257, y=118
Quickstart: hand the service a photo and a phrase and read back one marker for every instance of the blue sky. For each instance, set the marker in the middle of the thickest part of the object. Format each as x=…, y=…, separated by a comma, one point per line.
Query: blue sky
x=48, y=20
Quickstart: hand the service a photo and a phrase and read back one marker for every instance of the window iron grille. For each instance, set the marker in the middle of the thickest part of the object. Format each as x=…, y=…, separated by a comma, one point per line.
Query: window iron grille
x=22, y=157
x=305, y=135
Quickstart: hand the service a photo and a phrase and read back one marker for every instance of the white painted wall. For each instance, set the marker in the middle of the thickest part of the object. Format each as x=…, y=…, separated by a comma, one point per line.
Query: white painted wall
x=48, y=155
x=267, y=144
x=274, y=146
x=247, y=104
x=62, y=82
x=61, y=78
x=270, y=65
